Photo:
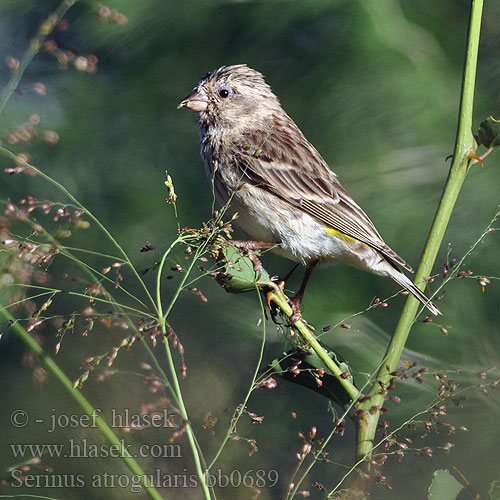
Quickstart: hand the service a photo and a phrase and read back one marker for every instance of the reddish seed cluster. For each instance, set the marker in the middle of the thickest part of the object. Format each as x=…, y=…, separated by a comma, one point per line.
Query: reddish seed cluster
x=95, y=289
x=153, y=383
x=199, y=293
x=378, y=303
x=50, y=137
x=104, y=13
x=425, y=452
x=268, y=383
x=12, y=63
x=318, y=486
x=255, y=419
x=308, y=443
x=24, y=262
x=89, y=365
x=21, y=165
x=405, y=372
x=22, y=471
x=339, y=427
x=448, y=266
x=294, y=369
x=28, y=205
x=25, y=134
x=84, y=63
x=148, y=247
x=171, y=336
x=253, y=444
x=209, y=422
x=36, y=254
x=179, y=432
x=379, y=478
x=435, y=422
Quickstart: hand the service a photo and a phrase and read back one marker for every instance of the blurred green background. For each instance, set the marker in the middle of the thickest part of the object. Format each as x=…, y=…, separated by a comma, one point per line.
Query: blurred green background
x=375, y=87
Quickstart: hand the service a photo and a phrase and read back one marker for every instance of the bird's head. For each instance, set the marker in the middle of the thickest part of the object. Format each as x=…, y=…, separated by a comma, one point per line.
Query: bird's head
x=230, y=96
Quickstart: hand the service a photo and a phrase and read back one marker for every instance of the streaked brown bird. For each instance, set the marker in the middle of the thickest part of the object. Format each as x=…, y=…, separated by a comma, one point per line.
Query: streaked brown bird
x=286, y=196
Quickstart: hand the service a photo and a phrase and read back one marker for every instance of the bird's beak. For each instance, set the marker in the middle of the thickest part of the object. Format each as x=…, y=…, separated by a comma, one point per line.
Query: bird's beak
x=197, y=101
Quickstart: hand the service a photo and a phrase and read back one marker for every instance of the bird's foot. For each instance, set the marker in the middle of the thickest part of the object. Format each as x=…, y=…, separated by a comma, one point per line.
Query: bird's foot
x=294, y=303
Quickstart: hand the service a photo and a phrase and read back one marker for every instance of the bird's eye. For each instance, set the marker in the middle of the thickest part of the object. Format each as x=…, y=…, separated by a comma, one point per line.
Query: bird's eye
x=224, y=92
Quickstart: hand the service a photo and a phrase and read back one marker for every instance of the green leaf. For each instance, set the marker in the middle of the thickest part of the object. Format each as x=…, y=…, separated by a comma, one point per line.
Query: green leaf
x=238, y=273
x=307, y=363
x=489, y=133
x=494, y=492
x=444, y=486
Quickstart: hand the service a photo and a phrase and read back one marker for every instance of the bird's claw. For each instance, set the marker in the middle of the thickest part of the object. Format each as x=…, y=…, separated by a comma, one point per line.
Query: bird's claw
x=294, y=303
x=472, y=155
x=251, y=248
x=257, y=264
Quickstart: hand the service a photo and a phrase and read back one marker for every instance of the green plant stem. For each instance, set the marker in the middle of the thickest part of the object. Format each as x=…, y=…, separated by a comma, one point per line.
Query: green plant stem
x=78, y=397
x=189, y=430
x=280, y=299
x=177, y=392
x=464, y=148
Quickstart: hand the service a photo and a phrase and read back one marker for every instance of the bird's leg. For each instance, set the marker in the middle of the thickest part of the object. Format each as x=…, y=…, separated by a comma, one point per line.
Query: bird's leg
x=296, y=300
x=280, y=285
x=250, y=248
x=287, y=277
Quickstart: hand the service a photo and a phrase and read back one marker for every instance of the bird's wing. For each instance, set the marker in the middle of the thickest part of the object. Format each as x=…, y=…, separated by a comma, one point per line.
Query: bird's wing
x=296, y=172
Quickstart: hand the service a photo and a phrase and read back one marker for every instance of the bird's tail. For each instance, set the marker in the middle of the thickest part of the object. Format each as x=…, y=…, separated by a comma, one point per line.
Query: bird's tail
x=405, y=282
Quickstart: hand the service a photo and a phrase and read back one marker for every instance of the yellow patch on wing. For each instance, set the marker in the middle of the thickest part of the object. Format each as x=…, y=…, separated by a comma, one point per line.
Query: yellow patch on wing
x=342, y=236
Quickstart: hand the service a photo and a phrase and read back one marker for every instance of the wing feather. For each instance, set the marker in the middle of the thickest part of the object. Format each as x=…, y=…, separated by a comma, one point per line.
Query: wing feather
x=297, y=173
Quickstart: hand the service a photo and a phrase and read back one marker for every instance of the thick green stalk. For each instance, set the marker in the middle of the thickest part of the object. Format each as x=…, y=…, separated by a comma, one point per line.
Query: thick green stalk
x=464, y=147
x=108, y=433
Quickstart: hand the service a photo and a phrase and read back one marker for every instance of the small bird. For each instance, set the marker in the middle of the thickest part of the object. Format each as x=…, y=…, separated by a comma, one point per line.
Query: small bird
x=286, y=196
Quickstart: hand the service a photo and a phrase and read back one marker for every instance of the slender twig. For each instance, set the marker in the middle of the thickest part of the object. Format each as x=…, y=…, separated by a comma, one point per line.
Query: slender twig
x=464, y=149
x=17, y=302
x=280, y=299
x=93, y=252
